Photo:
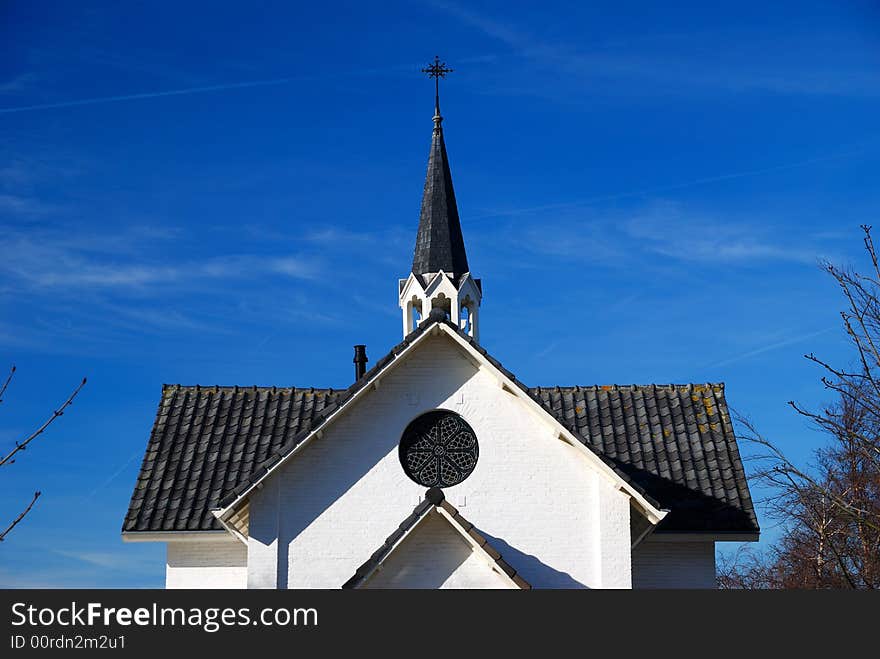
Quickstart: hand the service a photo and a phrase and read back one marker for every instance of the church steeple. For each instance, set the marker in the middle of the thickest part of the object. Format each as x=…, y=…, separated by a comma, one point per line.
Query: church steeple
x=439, y=243
x=440, y=273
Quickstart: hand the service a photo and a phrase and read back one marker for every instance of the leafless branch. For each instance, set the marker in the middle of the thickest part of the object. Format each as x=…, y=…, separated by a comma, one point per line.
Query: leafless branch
x=20, y=517
x=21, y=446
x=6, y=383
x=828, y=511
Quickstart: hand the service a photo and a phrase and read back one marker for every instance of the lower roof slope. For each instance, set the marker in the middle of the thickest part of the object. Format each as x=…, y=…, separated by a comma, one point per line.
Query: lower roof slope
x=675, y=442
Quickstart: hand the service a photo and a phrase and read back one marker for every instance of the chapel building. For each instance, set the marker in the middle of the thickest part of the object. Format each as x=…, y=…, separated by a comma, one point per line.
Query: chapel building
x=438, y=468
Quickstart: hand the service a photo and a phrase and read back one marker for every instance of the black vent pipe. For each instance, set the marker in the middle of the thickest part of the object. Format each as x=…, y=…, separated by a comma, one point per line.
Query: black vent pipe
x=360, y=361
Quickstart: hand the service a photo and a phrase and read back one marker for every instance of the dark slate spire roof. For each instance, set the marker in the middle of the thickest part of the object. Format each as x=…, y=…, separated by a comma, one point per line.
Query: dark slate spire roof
x=439, y=243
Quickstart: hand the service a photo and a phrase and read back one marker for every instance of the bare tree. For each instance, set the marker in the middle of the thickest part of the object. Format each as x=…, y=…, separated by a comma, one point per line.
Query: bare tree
x=10, y=458
x=829, y=510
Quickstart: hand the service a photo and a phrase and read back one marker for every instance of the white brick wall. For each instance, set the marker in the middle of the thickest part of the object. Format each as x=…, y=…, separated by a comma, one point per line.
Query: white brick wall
x=216, y=563
x=262, y=549
x=434, y=555
x=613, y=542
x=550, y=513
x=659, y=564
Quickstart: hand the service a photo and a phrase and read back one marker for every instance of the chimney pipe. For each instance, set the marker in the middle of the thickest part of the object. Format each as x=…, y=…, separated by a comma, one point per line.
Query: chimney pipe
x=360, y=361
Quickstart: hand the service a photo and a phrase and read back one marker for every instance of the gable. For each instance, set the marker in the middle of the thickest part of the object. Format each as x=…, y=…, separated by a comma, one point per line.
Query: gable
x=323, y=511
x=208, y=443
x=436, y=547
x=434, y=555
x=442, y=370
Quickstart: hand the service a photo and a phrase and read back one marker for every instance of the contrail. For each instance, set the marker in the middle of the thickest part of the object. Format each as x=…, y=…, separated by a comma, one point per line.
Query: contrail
x=132, y=97
x=772, y=346
x=198, y=90
x=669, y=188
x=115, y=474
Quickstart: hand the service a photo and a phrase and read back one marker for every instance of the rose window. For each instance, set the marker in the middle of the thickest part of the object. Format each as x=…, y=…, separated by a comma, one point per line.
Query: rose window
x=438, y=449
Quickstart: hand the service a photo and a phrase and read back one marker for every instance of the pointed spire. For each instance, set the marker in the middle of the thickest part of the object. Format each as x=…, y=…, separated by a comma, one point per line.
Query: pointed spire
x=439, y=242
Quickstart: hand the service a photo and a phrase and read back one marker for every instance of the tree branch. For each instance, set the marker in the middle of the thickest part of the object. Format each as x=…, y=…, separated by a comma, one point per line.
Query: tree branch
x=6, y=383
x=21, y=446
x=20, y=517
x=783, y=474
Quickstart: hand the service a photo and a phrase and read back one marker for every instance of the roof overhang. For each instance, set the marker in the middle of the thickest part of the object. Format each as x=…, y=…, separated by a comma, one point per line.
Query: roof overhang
x=684, y=536
x=174, y=536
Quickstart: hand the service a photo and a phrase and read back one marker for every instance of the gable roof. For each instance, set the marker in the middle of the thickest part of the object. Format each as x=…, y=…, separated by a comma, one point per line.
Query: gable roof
x=233, y=513
x=439, y=241
x=435, y=500
x=211, y=444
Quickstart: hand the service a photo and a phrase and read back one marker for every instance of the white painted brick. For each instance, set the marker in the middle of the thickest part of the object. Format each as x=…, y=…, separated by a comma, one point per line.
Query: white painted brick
x=552, y=515
x=544, y=506
x=206, y=564
x=614, y=539
x=435, y=555
x=262, y=548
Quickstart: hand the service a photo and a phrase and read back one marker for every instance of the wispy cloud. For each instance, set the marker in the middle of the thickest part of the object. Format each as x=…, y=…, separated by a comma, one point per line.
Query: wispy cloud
x=158, y=94
x=495, y=28
x=769, y=347
x=17, y=83
x=590, y=240
x=158, y=318
x=101, y=559
x=689, y=61
x=70, y=289
x=22, y=206
x=86, y=575
x=337, y=236
x=55, y=260
x=668, y=230
x=853, y=150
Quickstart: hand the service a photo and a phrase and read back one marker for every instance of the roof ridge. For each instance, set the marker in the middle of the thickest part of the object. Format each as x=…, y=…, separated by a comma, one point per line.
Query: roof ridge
x=239, y=387
x=686, y=386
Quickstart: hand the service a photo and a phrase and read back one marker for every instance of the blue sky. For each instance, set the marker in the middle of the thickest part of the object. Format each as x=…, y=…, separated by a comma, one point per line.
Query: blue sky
x=217, y=194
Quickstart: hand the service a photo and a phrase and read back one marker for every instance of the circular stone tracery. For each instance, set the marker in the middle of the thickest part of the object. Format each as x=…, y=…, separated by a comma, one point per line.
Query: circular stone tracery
x=438, y=449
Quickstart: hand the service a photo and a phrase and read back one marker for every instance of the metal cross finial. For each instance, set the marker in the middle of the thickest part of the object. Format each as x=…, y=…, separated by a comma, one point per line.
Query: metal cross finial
x=437, y=70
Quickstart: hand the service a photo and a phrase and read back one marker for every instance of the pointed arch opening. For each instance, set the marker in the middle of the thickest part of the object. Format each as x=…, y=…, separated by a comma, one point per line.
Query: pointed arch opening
x=442, y=302
x=414, y=312
x=466, y=315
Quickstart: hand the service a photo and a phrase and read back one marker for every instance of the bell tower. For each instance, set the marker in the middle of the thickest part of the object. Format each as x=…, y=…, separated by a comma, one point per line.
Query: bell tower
x=440, y=276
